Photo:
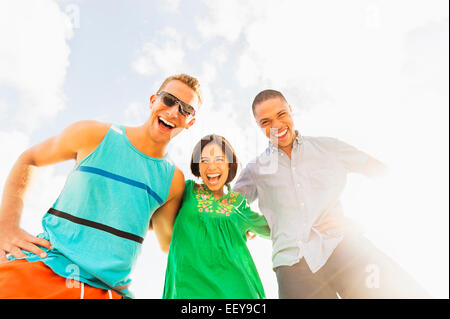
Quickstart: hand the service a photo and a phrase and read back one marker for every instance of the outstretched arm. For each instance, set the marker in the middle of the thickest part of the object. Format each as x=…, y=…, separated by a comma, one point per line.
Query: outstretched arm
x=355, y=160
x=75, y=142
x=163, y=218
x=374, y=168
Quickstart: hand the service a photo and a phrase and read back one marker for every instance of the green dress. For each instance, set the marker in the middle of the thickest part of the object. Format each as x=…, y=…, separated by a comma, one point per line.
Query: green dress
x=208, y=256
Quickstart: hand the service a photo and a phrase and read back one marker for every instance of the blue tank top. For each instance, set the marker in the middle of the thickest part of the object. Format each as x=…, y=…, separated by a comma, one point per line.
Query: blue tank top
x=99, y=221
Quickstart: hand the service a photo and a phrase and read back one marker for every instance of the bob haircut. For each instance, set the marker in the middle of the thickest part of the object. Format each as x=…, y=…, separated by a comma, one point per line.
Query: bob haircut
x=227, y=149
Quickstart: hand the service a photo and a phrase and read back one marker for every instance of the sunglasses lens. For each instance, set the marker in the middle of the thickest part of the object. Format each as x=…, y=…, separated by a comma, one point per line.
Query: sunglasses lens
x=188, y=110
x=169, y=100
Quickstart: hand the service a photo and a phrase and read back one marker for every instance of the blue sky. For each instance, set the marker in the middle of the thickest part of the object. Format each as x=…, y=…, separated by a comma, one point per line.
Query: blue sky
x=372, y=73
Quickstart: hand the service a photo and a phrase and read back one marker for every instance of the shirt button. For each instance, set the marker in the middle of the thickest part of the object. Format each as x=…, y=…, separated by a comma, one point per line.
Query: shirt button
x=298, y=185
x=302, y=204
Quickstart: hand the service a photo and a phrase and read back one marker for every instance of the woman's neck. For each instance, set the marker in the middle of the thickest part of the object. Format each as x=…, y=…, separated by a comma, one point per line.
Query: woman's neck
x=218, y=193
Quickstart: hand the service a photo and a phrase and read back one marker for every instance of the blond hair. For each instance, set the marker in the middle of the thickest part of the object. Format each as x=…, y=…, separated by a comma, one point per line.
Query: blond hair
x=190, y=81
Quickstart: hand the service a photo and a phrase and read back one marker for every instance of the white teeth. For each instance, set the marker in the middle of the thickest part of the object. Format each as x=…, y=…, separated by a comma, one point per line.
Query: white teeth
x=281, y=134
x=213, y=175
x=166, y=122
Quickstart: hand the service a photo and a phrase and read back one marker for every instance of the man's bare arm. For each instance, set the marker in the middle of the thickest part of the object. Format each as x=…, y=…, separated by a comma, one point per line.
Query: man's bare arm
x=163, y=218
x=75, y=142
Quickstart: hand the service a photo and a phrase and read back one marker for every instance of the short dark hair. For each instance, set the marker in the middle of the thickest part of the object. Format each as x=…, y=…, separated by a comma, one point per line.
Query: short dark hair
x=226, y=147
x=267, y=95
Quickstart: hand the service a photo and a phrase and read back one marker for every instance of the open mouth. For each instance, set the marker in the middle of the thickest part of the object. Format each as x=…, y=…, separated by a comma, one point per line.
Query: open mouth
x=213, y=179
x=165, y=124
x=281, y=134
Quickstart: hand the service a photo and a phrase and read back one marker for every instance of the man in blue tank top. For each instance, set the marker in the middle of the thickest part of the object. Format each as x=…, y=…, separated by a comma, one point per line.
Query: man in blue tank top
x=122, y=185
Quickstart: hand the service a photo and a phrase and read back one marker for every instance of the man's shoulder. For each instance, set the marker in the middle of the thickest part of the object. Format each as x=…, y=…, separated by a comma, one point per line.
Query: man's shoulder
x=91, y=125
x=268, y=151
x=319, y=139
x=81, y=137
x=255, y=161
x=326, y=142
x=90, y=130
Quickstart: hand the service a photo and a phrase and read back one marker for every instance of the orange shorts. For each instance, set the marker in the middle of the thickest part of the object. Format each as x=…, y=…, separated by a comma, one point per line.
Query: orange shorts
x=20, y=279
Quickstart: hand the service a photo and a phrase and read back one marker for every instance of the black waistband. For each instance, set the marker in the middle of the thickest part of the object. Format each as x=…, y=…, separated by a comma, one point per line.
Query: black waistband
x=96, y=225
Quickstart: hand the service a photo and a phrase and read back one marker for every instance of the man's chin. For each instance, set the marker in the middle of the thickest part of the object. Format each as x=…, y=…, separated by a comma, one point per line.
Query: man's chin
x=160, y=138
x=174, y=132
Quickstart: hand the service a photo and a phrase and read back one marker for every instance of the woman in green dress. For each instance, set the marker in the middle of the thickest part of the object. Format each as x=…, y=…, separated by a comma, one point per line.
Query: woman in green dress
x=208, y=256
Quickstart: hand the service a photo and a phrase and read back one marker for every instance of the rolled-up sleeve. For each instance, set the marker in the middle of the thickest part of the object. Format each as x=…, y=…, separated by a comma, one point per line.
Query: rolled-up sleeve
x=252, y=221
x=245, y=185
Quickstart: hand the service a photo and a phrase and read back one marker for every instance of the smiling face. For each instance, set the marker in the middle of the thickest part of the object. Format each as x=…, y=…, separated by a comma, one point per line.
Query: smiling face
x=274, y=117
x=213, y=168
x=166, y=122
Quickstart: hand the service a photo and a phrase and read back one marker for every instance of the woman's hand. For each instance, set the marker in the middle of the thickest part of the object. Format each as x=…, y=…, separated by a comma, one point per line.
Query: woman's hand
x=250, y=235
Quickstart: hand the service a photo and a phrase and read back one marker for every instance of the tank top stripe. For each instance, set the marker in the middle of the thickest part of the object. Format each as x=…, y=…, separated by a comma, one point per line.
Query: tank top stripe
x=122, y=179
x=90, y=223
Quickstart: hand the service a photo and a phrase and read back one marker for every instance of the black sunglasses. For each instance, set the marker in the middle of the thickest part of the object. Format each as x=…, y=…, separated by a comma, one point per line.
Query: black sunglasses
x=170, y=100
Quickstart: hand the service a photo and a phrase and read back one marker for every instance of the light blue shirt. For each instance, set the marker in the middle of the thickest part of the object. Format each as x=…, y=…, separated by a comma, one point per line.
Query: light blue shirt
x=296, y=194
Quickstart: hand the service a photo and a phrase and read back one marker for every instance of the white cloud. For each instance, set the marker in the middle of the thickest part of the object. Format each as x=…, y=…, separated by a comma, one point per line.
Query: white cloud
x=34, y=57
x=321, y=44
x=209, y=73
x=13, y=143
x=227, y=19
x=171, y=6
x=220, y=54
x=164, y=54
x=136, y=113
x=3, y=110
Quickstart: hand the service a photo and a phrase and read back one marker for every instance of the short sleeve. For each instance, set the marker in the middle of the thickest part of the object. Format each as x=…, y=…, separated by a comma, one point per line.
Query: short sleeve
x=252, y=221
x=245, y=185
x=349, y=156
x=188, y=187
